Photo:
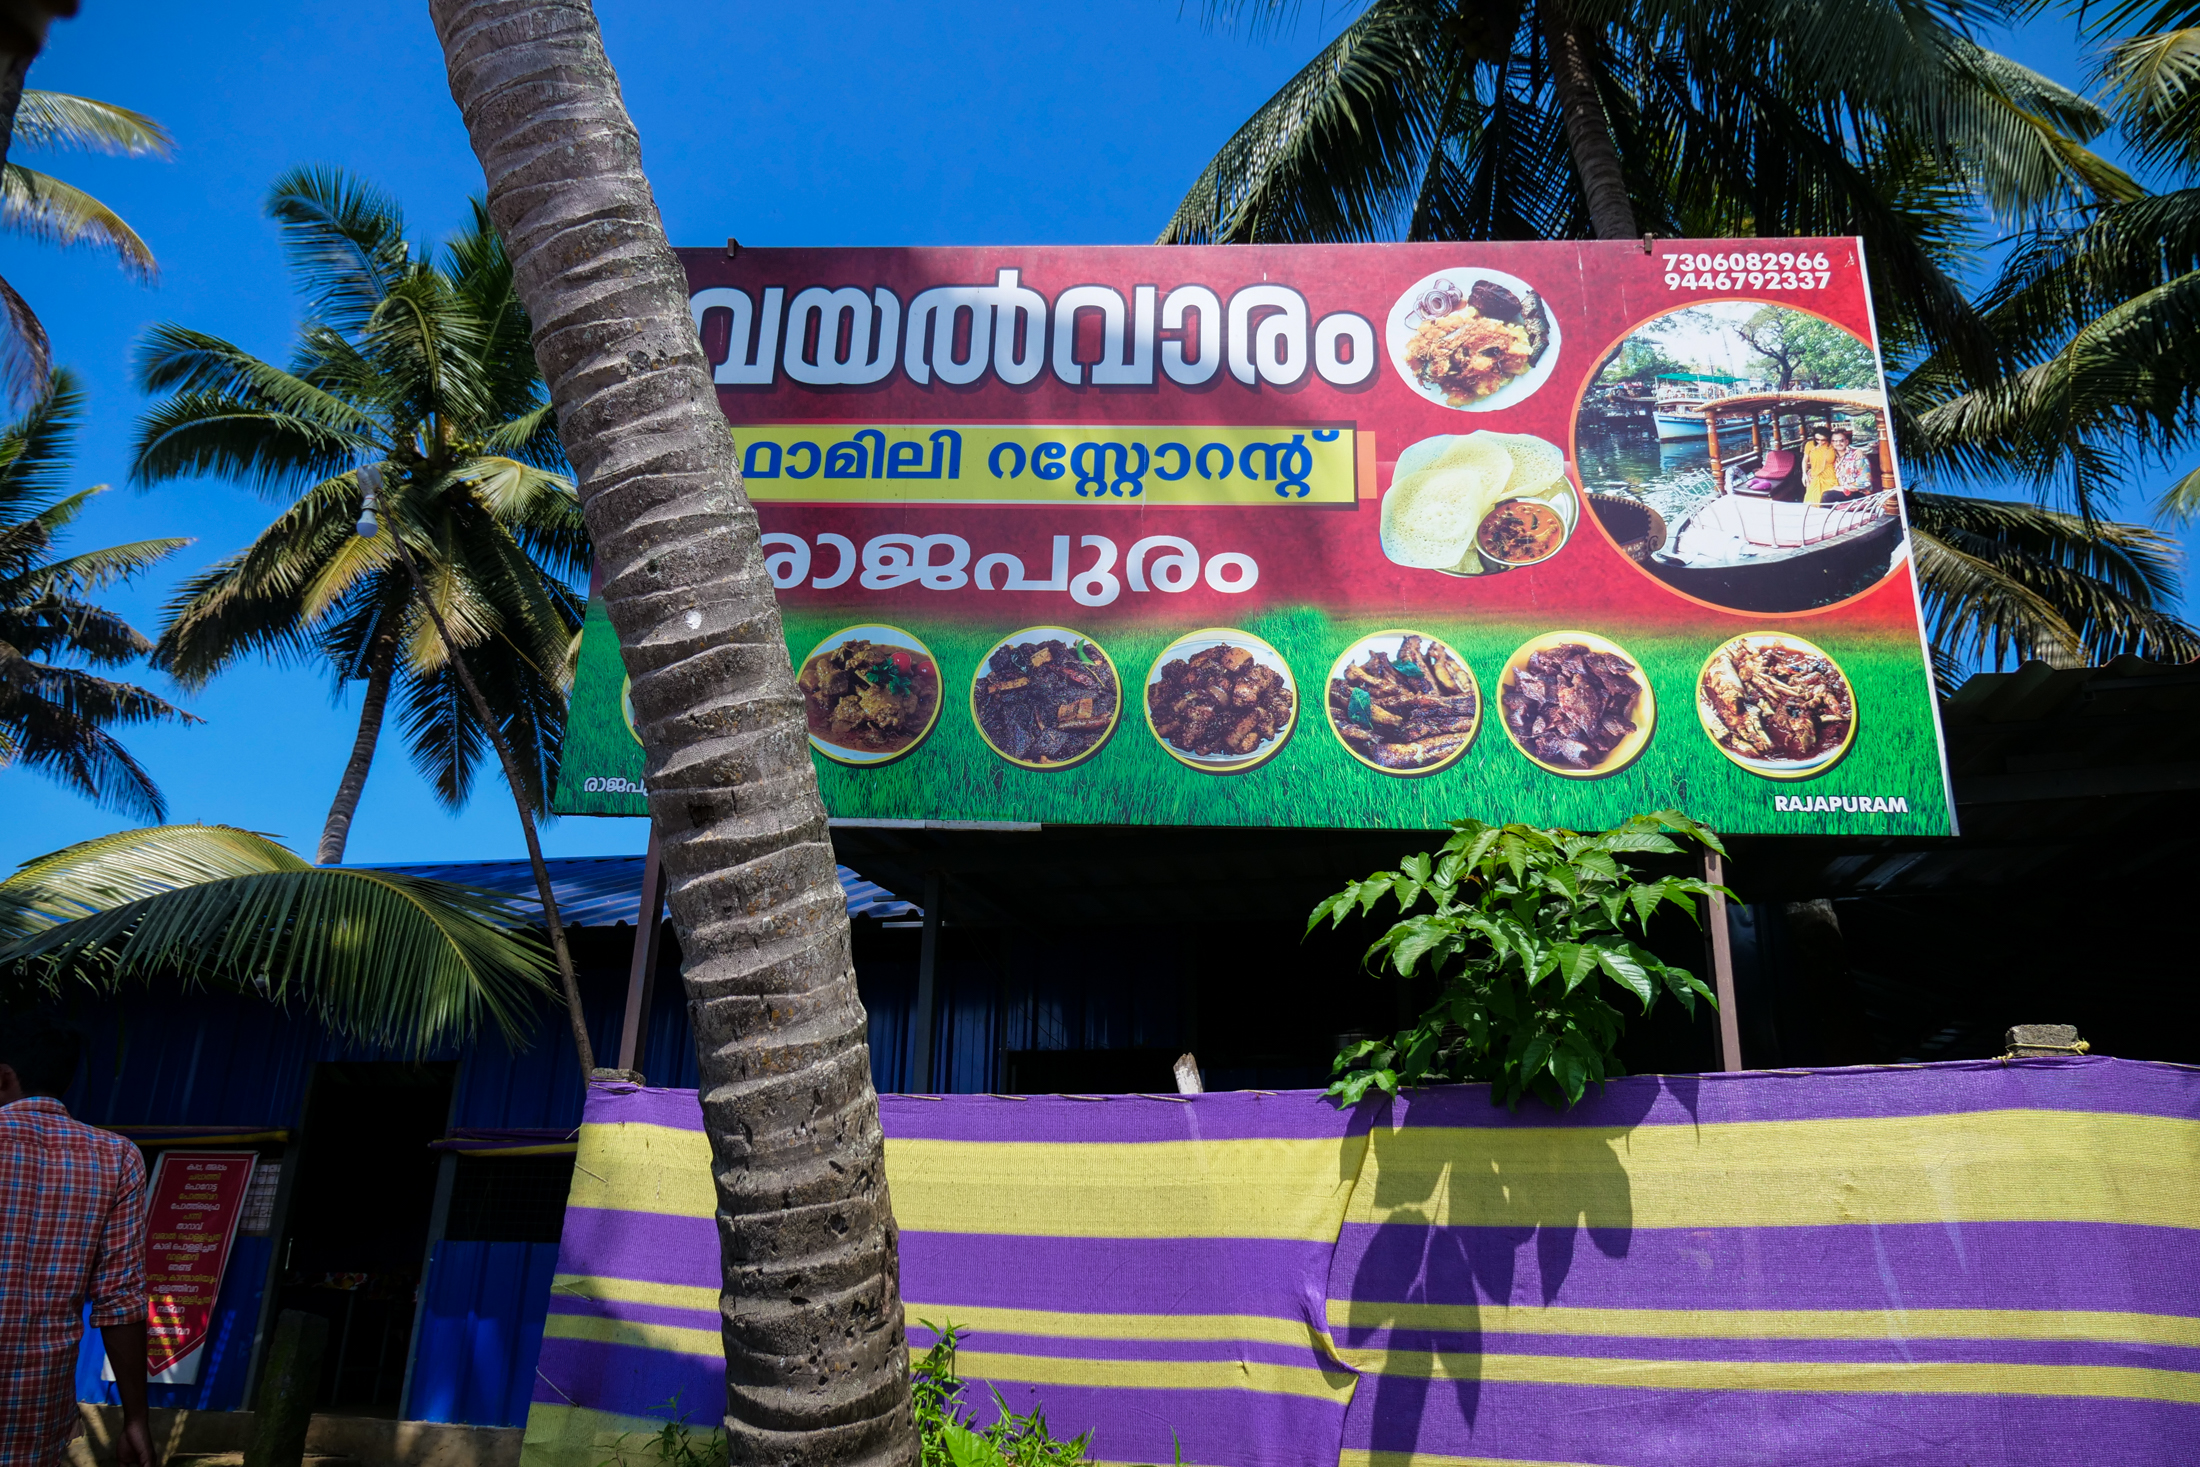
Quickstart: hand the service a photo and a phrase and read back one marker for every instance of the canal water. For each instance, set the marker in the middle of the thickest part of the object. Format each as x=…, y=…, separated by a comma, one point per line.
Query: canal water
x=1627, y=459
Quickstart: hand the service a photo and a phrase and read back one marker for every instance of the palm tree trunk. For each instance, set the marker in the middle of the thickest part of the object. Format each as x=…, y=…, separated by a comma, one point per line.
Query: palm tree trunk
x=22, y=37
x=336, y=832
x=816, y=1362
x=1588, y=132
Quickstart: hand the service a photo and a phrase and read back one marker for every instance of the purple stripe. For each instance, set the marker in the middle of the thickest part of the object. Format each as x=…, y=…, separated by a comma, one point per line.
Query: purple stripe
x=642, y=1105
x=1659, y=1428
x=1883, y=1351
x=1999, y=1265
x=1233, y=1115
x=1256, y=1352
x=1242, y=1428
x=2079, y=1083
x=1268, y=1276
x=653, y=1246
x=627, y=1379
x=633, y=1313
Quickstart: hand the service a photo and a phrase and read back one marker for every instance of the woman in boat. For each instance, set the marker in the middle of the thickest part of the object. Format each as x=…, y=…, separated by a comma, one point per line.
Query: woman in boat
x=1852, y=467
x=1818, y=461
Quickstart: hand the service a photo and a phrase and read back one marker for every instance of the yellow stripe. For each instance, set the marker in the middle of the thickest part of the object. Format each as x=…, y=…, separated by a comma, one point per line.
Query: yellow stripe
x=1777, y=1324
x=1068, y=1326
x=1980, y=1167
x=635, y=1291
x=669, y=1337
x=1158, y=1375
x=1356, y=1457
x=640, y=1168
x=1891, y=1378
x=1163, y=1189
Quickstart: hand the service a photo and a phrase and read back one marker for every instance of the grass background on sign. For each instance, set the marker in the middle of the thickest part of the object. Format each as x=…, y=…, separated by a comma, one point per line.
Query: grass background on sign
x=1312, y=781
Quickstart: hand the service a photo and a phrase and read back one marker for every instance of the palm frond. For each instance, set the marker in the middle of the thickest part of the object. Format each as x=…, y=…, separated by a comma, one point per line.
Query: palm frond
x=58, y=121
x=54, y=719
x=34, y=449
x=378, y=957
x=26, y=356
x=44, y=208
x=346, y=241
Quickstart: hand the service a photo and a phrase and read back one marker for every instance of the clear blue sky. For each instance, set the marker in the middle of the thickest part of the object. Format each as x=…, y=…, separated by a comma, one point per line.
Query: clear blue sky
x=1079, y=121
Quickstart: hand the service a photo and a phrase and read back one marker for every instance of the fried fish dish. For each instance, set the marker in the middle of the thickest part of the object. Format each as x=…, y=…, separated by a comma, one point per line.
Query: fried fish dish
x=1046, y=702
x=1777, y=702
x=1408, y=711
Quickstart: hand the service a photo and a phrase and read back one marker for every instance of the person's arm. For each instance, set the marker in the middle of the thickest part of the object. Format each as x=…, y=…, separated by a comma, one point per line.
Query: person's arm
x=118, y=1308
x=126, y=1353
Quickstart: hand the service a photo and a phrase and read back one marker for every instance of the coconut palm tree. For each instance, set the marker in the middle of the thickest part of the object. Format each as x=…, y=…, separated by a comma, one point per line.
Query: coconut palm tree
x=44, y=208
x=2097, y=309
x=418, y=361
x=816, y=1360
x=378, y=957
x=1556, y=119
x=55, y=712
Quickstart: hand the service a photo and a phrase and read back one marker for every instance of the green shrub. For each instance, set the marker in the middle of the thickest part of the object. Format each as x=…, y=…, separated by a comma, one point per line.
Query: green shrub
x=950, y=1440
x=675, y=1444
x=1524, y=928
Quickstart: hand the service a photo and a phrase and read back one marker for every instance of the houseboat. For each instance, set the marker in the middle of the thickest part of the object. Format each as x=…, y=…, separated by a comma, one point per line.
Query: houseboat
x=1681, y=400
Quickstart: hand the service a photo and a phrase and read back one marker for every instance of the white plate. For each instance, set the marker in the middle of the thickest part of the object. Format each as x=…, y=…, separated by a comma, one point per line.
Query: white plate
x=1396, y=334
x=1183, y=648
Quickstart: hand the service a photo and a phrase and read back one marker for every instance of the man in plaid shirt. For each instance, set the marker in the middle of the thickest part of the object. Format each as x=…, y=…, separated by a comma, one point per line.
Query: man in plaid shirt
x=72, y=1228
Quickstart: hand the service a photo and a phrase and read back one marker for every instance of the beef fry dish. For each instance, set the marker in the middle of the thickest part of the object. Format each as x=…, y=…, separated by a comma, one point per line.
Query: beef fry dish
x=1047, y=702
x=1405, y=711
x=1777, y=702
x=869, y=698
x=1220, y=702
x=1570, y=706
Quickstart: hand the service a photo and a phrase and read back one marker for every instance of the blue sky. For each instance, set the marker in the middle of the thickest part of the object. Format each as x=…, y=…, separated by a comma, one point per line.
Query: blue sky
x=1079, y=121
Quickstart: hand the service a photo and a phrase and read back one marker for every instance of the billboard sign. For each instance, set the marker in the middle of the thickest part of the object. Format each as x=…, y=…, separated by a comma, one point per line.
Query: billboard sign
x=1315, y=536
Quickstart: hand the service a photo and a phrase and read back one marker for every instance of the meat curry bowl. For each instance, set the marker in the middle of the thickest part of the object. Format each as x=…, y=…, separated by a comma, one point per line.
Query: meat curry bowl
x=1576, y=704
x=869, y=694
x=1046, y=698
x=1403, y=703
x=1221, y=700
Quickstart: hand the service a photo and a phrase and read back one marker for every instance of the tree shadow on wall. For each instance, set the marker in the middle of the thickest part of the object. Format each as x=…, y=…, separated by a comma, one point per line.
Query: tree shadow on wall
x=1473, y=1210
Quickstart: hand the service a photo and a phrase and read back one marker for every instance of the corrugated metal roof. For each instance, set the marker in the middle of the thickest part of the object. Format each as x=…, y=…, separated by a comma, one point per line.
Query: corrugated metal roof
x=597, y=891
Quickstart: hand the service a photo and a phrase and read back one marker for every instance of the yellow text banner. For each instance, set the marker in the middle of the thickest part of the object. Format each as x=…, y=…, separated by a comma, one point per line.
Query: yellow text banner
x=1025, y=463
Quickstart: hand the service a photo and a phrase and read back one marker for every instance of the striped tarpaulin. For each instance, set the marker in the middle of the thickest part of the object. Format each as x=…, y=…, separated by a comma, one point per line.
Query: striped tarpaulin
x=1972, y=1263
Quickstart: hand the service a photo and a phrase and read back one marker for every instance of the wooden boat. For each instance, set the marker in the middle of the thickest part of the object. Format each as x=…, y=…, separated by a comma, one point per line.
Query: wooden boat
x=1757, y=546
x=1682, y=398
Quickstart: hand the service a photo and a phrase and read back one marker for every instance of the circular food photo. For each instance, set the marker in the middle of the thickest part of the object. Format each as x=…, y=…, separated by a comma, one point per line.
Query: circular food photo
x=1469, y=504
x=869, y=694
x=1472, y=339
x=1221, y=700
x=1403, y=703
x=1576, y=704
x=1776, y=705
x=1046, y=698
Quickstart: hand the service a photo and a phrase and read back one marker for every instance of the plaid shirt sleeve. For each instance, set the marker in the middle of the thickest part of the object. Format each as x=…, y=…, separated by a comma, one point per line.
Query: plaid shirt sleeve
x=117, y=1294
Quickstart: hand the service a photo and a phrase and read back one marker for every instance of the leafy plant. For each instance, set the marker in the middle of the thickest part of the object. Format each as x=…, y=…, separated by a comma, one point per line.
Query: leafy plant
x=1524, y=927
x=675, y=1444
x=952, y=1440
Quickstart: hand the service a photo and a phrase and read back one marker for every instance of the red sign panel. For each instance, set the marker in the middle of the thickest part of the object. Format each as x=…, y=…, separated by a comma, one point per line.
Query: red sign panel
x=198, y=1197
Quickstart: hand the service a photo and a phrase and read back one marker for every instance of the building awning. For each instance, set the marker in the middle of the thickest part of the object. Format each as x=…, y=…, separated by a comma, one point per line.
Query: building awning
x=599, y=891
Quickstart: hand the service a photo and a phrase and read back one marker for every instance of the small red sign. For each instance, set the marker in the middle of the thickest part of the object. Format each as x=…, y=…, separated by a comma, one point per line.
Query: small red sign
x=198, y=1197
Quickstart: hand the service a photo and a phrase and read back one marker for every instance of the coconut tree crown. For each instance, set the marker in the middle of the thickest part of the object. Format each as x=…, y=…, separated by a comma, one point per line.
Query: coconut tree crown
x=421, y=362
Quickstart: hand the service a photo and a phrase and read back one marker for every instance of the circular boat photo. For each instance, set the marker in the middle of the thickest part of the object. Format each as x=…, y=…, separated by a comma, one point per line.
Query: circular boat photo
x=1403, y=703
x=1472, y=339
x=1737, y=452
x=1776, y=705
x=1576, y=704
x=1221, y=700
x=1046, y=698
x=870, y=694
